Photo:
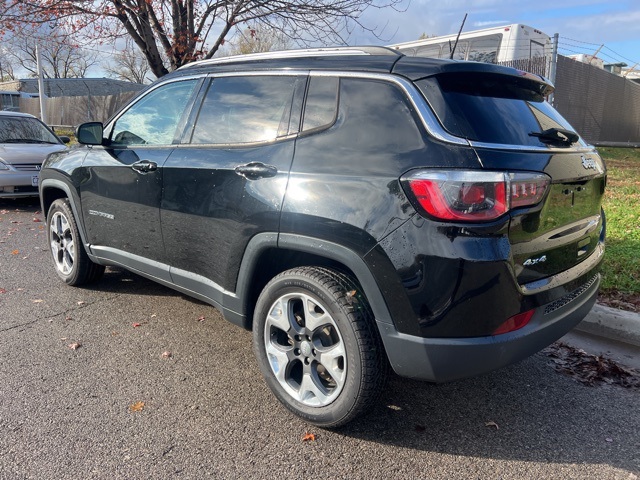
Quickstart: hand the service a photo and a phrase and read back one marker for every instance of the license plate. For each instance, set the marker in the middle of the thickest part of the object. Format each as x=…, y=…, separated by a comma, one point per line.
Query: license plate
x=34, y=181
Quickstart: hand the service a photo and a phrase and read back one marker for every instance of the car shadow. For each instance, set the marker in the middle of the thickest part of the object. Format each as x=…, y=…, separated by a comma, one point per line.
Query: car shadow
x=525, y=412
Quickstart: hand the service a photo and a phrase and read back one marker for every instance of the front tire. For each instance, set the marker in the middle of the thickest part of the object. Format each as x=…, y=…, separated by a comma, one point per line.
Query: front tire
x=317, y=345
x=70, y=259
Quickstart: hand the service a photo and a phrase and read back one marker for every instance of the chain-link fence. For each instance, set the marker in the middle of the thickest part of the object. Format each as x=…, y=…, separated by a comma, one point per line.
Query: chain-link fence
x=604, y=108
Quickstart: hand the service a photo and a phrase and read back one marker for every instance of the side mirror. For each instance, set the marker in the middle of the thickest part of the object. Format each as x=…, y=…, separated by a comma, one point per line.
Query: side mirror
x=90, y=133
x=64, y=138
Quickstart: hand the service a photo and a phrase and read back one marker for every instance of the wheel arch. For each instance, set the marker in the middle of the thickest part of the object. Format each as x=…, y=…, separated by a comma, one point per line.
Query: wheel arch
x=269, y=254
x=51, y=190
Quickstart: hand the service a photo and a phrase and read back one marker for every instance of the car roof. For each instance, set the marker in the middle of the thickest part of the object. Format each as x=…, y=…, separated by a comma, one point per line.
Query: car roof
x=372, y=59
x=5, y=113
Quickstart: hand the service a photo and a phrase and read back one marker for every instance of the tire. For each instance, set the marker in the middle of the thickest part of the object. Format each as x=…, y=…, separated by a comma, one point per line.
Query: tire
x=70, y=259
x=317, y=345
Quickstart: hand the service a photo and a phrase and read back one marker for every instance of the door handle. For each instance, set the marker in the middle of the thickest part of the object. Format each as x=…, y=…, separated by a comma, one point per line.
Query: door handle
x=145, y=166
x=256, y=170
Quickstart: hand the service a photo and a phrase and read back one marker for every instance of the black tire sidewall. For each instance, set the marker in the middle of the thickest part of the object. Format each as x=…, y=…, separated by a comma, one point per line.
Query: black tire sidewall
x=344, y=404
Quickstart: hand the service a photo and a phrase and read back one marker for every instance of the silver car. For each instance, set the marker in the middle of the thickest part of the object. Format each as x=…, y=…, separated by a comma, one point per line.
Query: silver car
x=25, y=142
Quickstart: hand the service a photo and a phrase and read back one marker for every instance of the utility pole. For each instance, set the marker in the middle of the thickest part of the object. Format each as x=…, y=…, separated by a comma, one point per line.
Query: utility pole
x=42, y=95
x=554, y=63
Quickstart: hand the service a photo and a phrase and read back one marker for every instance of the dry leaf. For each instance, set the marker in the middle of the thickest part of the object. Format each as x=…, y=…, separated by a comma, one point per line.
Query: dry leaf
x=74, y=346
x=80, y=303
x=2, y=290
x=37, y=300
x=153, y=315
x=166, y=354
x=36, y=219
x=68, y=318
x=201, y=318
x=491, y=424
x=309, y=437
x=136, y=325
x=15, y=252
x=351, y=296
x=136, y=407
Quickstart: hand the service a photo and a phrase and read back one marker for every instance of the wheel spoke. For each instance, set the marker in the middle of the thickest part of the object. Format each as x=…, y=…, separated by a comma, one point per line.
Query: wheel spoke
x=279, y=358
x=278, y=316
x=315, y=315
x=310, y=392
x=333, y=361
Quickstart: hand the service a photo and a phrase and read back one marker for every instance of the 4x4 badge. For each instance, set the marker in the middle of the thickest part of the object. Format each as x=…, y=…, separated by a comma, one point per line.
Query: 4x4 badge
x=588, y=162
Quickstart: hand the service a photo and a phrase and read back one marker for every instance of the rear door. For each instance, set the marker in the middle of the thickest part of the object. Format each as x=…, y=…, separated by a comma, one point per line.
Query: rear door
x=226, y=182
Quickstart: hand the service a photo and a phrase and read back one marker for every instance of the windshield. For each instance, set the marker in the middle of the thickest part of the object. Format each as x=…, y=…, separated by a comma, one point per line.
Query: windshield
x=492, y=108
x=24, y=130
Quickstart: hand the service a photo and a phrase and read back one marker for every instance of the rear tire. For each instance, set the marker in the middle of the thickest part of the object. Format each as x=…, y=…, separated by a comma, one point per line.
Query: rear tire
x=70, y=259
x=317, y=345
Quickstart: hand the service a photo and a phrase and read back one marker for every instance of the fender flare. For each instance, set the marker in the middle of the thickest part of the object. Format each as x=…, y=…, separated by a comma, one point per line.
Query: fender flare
x=323, y=248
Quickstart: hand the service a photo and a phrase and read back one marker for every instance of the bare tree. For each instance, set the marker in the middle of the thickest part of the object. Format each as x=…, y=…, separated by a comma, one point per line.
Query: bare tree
x=258, y=39
x=185, y=30
x=129, y=65
x=6, y=67
x=60, y=57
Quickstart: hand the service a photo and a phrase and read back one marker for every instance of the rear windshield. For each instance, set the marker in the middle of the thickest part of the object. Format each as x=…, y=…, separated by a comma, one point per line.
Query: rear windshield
x=491, y=108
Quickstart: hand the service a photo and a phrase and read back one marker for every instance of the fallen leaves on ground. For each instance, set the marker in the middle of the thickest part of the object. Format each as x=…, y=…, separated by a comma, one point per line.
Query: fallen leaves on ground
x=80, y=303
x=590, y=369
x=36, y=220
x=201, y=318
x=136, y=325
x=166, y=354
x=136, y=407
x=2, y=290
x=492, y=424
x=74, y=346
x=620, y=300
x=309, y=437
x=15, y=252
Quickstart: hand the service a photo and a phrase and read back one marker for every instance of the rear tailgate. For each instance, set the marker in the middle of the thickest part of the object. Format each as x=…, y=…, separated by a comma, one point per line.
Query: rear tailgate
x=564, y=229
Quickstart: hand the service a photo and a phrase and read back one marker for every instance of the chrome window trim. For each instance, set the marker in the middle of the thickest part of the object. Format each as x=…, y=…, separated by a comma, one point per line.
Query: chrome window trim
x=429, y=120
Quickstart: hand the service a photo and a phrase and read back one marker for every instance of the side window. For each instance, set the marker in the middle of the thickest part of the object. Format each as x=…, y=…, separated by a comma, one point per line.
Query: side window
x=153, y=119
x=322, y=103
x=245, y=110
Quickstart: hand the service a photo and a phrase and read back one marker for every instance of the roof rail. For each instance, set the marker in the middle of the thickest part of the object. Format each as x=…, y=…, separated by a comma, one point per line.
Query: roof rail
x=297, y=53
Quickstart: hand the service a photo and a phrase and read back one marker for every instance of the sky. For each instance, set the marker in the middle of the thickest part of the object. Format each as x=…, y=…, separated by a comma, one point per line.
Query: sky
x=583, y=25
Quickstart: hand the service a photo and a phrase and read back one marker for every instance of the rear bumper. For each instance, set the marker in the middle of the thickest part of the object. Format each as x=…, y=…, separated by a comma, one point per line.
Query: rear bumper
x=447, y=359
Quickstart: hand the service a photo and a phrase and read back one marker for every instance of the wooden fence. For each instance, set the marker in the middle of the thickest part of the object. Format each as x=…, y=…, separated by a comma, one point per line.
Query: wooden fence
x=73, y=111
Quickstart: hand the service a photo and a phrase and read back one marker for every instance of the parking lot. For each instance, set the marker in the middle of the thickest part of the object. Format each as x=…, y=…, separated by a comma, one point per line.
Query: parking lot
x=129, y=379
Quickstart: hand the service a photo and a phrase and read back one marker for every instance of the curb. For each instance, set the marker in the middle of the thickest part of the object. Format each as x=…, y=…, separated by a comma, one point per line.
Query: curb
x=612, y=323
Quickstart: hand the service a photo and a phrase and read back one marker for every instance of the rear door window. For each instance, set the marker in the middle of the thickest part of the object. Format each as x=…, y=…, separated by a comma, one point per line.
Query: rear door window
x=248, y=109
x=491, y=108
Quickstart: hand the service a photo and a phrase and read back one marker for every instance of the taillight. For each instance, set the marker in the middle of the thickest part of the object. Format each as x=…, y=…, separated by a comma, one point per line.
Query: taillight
x=476, y=196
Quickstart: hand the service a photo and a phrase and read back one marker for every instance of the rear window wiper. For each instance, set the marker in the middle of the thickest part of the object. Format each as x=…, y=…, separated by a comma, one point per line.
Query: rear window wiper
x=556, y=135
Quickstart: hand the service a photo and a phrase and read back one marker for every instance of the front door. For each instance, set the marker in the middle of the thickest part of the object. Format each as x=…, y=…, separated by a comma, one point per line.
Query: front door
x=122, y=188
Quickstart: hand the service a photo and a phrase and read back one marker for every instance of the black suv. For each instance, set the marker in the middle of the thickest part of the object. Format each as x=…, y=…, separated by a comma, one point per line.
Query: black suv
x=353, y=206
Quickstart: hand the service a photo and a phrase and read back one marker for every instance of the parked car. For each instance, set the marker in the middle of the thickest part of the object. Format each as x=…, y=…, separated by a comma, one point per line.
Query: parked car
x=355, y=207
x=24, y=144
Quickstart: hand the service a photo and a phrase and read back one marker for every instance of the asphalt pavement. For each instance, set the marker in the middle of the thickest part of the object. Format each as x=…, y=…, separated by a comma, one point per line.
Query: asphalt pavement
x=131, y=380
